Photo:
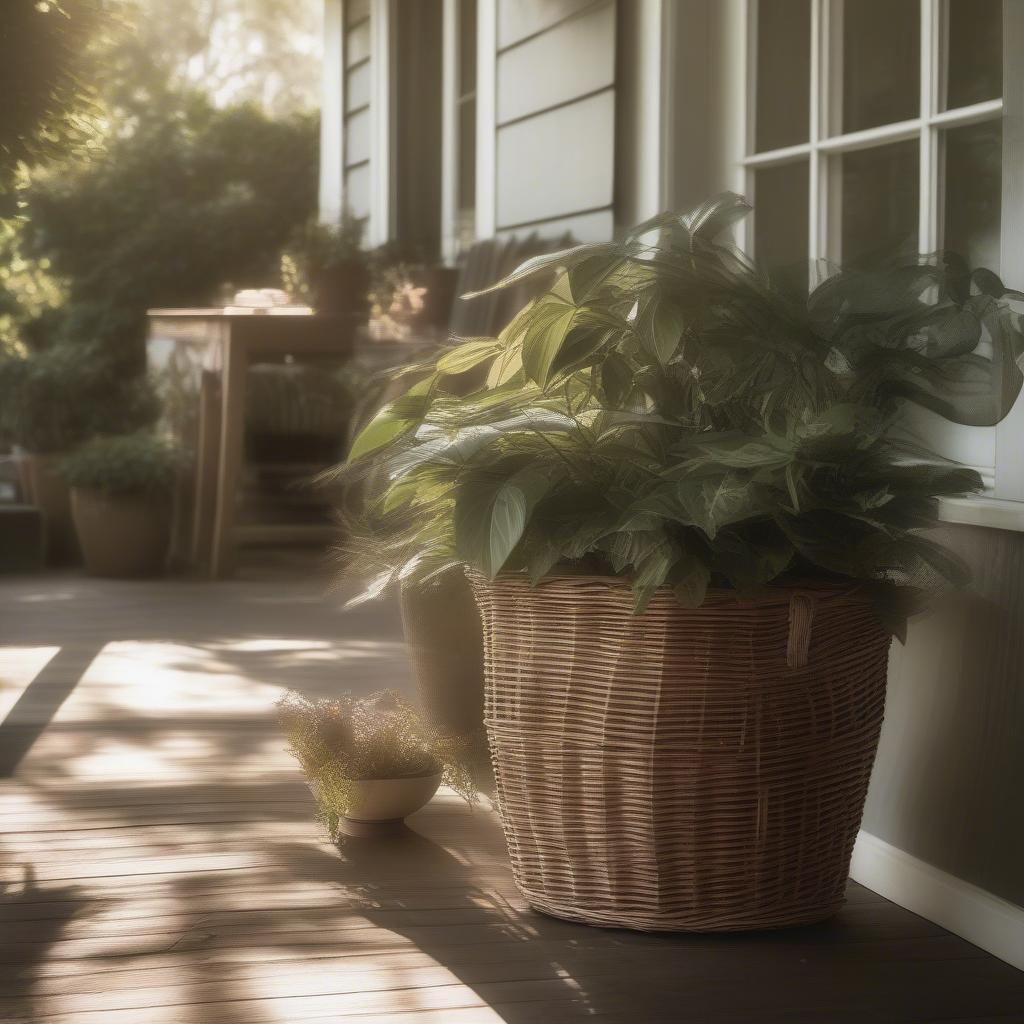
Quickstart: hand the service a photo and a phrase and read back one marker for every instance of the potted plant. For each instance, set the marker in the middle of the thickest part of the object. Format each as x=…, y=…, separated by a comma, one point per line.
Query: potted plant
x=370, y=762
x=52, y=400
x=692, y=521
x=327, y=265
x=120, y=502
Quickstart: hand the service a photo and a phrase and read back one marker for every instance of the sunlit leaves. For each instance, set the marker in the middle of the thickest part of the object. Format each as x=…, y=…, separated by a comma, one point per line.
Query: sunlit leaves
x=662, y=412
x=467, y=355
x=545, y=337
x=393, y=421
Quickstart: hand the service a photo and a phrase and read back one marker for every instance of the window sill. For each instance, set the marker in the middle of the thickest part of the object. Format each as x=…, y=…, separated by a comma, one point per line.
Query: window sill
x=996, y=513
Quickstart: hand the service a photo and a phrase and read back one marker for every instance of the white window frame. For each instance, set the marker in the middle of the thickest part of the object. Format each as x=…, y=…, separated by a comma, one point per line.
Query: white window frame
x=380, y=225
x=826, y=99
x=1004, y=505
x=451, y=142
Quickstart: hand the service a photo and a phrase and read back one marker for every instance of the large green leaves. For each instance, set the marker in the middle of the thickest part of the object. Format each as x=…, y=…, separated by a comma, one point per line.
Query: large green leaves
x=666, y=412
x=545, y=337
x=491, y=516
x=395, y=420
x=659, y=324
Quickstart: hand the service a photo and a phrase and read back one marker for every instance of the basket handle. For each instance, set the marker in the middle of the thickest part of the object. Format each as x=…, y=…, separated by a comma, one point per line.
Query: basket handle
x=801, y=616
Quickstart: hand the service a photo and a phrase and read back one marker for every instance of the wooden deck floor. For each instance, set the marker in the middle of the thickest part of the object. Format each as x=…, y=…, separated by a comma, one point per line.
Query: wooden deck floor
x=159, y=863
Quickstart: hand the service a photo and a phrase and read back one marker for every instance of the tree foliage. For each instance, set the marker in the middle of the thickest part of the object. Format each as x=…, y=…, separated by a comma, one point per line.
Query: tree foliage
x=193, y=200
x=45, y=96
x=665, y=411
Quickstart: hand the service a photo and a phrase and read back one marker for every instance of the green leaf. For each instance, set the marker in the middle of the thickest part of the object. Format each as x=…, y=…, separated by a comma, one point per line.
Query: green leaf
x=544, y=338
x=491, y=517
x=548, y=261
x=690, y=581
x=717, y=503
x=616, y=380
x=381, y=431
x=395, y=420
x=468, y=354
x=652, y=572
x=714, y=215
x=660, y=326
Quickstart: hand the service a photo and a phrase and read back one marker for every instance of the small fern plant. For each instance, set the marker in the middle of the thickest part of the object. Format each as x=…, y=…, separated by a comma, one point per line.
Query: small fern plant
x=343, y=741
x=668, y=411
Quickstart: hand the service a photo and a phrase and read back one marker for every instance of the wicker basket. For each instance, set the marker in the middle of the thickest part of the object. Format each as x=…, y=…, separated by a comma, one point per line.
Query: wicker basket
x=687, y=770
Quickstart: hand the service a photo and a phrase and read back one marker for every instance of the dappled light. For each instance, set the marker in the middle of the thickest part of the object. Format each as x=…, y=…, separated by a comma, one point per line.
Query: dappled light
x=490, y=497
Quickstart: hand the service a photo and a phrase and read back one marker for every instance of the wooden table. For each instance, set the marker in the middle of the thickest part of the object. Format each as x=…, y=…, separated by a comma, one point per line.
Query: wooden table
x=207, y=352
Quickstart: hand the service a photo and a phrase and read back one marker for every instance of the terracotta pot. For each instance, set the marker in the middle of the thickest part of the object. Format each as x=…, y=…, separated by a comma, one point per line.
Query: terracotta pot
x=49, y=492
x=122, y=535
x=344, y=288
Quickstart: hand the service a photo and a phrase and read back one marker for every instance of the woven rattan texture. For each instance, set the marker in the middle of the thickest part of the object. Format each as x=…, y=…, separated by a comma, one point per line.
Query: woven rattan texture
x=670, y=770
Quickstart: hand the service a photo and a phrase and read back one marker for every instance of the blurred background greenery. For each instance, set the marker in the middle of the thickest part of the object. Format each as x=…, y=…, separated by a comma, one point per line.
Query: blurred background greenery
x=152, y=153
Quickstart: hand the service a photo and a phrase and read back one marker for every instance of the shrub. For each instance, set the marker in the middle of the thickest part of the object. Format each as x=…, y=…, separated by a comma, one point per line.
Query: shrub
x=52, y=400
x=133, y=464
x=665, y=412
x=382, y=736
x=194, y=200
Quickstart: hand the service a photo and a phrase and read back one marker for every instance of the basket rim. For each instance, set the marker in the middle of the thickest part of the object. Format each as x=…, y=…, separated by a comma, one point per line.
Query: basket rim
x=766, y=595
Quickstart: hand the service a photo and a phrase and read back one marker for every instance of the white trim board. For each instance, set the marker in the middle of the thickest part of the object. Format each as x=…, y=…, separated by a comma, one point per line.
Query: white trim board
x=996, y=513
x=991, y=923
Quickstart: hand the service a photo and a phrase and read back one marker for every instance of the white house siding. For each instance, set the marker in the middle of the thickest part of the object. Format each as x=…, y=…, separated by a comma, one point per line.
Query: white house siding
x=554, y=107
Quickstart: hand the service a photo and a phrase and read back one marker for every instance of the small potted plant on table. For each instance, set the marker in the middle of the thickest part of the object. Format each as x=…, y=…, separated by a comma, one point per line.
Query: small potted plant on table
x=692, y=521
x=327, y=265
x=120, y=501
x=370, y=762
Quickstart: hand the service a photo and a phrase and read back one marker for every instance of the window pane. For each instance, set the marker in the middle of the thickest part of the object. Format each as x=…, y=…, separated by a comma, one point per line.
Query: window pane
x=357, y=43
x=356, y=10
x=783, y=73
x=780, y=215
x=467, y=171
x=881, y=60
x=357, y=87
x=975, y=52
x=973, y=185
x=467, y=46
x=878, y=190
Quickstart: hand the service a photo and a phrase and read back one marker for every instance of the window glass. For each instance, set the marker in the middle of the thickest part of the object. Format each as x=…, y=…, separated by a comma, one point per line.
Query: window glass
x=467, y=46
x=974, y=48
x=878, y=196
x=783, y=73
x=973, y=157
x=881, y=61
x=780, y=215
x=465, y=229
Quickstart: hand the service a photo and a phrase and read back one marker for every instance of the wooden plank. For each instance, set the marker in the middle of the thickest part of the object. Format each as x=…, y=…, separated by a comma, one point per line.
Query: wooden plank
x=161, y=864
